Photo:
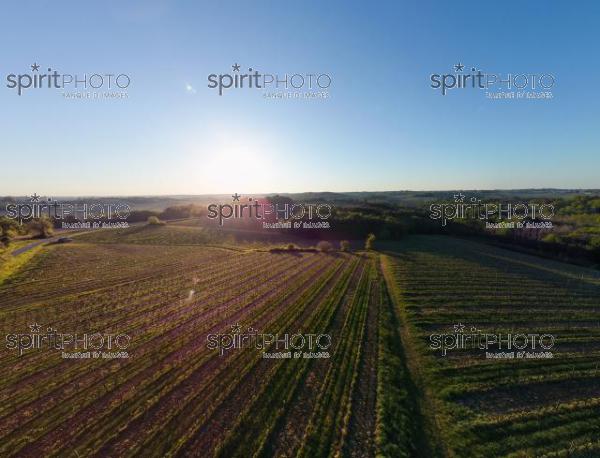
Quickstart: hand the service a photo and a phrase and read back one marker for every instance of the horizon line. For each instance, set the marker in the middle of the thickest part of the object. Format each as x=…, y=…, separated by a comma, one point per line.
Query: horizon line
x=5, y=196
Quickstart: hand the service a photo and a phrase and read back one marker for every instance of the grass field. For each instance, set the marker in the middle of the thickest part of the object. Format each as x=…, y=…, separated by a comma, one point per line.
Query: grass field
x=381, y=392
x=489, y=407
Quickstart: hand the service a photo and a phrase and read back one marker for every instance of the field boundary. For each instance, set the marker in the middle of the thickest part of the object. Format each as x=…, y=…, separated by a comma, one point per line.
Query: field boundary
x=426, y=402
x=11, y=264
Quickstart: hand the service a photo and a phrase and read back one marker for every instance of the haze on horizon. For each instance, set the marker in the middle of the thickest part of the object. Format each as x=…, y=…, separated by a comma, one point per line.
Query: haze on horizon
x=272, y=193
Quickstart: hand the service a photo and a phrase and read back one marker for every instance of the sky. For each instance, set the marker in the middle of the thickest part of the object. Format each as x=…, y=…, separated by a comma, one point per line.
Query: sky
x=381, y=127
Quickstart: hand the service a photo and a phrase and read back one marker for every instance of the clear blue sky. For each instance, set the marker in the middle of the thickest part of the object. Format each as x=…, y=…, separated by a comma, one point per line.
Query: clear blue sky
x=383, y=127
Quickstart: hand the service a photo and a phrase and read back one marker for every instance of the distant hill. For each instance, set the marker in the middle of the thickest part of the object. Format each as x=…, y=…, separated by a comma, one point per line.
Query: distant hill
x=405, y=198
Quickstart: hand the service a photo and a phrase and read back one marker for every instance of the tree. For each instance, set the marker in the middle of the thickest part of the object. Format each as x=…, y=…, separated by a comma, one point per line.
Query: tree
x=369, y=242
x=551, y=238
x=324, y=246
x=4, y=239
x=154, y=221
x=344, y=245
x=9, y=227
x=181, y=212
x=594, y=242
x=41, y=227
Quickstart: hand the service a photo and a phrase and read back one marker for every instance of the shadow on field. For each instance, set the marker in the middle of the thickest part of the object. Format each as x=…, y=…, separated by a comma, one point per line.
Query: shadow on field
x=556, y=273
x=514, y=398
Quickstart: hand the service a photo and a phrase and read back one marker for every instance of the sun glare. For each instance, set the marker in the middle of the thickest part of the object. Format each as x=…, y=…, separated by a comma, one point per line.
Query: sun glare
x=240, y=164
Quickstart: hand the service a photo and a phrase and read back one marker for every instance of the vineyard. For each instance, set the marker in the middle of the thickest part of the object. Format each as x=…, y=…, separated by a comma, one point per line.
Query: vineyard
x=173, y=395
x=380, y=392
x=511, y=407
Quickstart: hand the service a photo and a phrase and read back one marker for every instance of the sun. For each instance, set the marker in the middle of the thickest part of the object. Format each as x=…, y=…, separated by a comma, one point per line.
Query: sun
x=239, y=164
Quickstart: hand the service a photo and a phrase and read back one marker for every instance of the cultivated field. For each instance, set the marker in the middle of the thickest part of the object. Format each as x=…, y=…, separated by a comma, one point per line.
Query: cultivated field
x=173, y=395
x=382, y=391
x=489, y=407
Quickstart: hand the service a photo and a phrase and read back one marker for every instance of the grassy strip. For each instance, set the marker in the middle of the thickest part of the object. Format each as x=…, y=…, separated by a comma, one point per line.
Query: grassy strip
x=398, y=432
x=429, y=408
x=11, y=265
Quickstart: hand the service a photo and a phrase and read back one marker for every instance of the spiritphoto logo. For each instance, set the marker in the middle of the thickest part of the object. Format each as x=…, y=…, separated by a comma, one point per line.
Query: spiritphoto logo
x=496, y=345
x=496, y=214
x=84, y=85
x=85, y=346
x=53, y=209
x=280, y=346
x=275, y=215
x=301, y=85
x=507, y=86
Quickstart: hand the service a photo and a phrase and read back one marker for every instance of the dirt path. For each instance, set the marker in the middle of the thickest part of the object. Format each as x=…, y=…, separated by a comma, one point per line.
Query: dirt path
x=26, y=248
x=58, y=234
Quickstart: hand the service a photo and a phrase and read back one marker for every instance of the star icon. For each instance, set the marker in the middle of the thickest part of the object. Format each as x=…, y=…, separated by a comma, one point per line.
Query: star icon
x=459, y=67
x=459, y=327
x=35, y=67
x=35, y=197
x=460, y=197
x=236, y=328
x=35, y=327
x=236, y=197
x=236, y=67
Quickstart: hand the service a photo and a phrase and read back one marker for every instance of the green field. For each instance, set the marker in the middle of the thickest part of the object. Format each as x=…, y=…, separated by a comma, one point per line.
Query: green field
x=383, y=391
x=488, y=407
